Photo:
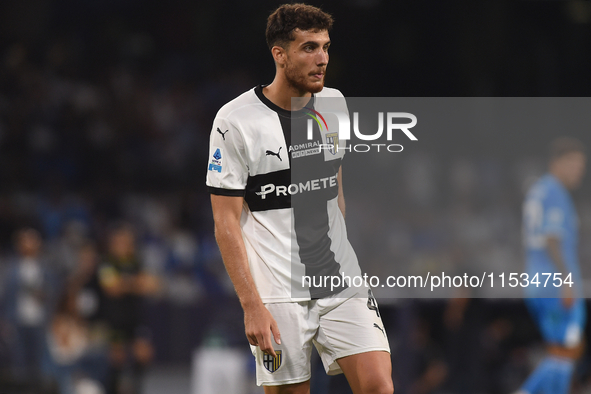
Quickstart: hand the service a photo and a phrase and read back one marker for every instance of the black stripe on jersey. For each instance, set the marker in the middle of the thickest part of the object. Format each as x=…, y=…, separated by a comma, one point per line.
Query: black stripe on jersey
x=226, y=192
x=264, y=202
x=286, y=127
x=311, y=226
x=310, y=210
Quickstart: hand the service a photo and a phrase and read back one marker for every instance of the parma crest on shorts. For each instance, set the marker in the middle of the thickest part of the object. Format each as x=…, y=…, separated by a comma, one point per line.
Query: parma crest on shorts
x=271, y=363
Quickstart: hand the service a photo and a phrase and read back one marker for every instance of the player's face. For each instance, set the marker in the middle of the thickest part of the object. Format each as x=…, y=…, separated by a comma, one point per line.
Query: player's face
x=306, y=60
x=573, y=165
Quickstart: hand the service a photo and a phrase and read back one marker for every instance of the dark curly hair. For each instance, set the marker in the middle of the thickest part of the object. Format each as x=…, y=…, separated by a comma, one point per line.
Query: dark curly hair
x=288, y=17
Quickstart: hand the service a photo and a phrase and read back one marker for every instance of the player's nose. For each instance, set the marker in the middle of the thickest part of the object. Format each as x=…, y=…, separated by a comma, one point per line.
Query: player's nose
x=322, y=58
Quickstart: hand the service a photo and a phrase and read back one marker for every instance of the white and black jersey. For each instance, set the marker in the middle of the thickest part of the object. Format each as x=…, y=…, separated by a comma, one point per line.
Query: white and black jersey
x=291, y=223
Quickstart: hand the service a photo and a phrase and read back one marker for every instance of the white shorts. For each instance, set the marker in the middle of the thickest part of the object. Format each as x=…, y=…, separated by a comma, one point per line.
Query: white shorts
x=338, y=327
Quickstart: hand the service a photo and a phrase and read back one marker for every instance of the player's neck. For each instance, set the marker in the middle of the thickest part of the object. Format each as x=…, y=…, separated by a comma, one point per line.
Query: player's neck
x=563, y=180
x=280, y=93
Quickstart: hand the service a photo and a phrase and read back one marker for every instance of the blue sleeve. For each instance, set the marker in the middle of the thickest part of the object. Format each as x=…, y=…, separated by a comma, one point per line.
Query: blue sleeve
x=554, y=214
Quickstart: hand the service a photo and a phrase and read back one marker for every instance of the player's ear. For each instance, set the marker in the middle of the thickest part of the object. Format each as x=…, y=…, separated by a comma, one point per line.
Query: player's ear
x=279, y=55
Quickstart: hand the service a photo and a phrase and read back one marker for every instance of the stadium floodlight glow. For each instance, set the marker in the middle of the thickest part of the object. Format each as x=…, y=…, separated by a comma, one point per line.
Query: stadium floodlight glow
x=344, y=125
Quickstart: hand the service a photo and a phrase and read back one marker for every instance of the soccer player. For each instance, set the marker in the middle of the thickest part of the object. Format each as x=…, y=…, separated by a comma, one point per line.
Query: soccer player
x=550, y=226
x=273, y=228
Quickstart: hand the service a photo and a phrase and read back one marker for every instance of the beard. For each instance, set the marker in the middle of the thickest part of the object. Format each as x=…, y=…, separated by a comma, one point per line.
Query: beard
x=300, y=82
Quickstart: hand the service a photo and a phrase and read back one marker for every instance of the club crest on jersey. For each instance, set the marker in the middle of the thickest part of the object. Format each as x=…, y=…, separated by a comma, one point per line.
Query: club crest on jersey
x=216, y=160
x=271, y=363
x=332, y=140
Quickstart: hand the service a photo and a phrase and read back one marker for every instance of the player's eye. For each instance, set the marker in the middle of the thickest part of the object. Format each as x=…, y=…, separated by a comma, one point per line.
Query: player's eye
x=308, y=48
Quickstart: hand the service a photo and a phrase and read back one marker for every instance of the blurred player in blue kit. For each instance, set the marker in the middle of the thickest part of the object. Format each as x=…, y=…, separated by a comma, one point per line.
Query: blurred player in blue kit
x=551, y=238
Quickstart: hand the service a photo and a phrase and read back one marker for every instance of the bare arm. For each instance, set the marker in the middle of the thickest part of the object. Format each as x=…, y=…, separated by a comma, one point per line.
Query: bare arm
x=341, y=199
x=258, y=322
x=555, y=252
x=553, y=246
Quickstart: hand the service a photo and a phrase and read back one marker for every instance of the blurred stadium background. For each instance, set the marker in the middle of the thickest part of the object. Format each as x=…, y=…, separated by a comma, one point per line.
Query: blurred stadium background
x=105, y=111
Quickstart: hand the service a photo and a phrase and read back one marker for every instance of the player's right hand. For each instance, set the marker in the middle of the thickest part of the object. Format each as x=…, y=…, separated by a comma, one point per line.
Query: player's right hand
x=259, y=325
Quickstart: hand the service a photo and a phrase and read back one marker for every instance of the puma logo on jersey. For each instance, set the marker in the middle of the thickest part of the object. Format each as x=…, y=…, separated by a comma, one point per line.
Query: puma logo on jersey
x=271, y=153
x=223, y=134
x=379, y=328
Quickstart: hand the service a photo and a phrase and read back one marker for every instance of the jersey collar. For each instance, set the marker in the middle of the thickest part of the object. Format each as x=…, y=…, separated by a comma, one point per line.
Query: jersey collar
x=258, y=90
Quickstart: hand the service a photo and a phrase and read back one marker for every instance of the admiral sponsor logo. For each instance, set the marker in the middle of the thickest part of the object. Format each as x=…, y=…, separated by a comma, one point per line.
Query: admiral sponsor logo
x=306, y=152
x=216, y=161
x=305, y=149
x=295, y=188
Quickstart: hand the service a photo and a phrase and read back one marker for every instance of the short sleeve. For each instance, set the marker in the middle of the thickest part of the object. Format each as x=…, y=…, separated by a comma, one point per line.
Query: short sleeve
x=227, y=167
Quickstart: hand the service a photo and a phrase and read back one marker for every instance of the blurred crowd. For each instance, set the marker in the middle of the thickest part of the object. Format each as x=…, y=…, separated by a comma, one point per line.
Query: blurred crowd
x=82, y=328
x=101, y=206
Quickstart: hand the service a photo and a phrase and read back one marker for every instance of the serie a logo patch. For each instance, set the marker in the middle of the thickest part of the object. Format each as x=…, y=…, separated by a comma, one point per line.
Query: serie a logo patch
x=271, y=363
x=216, y=160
